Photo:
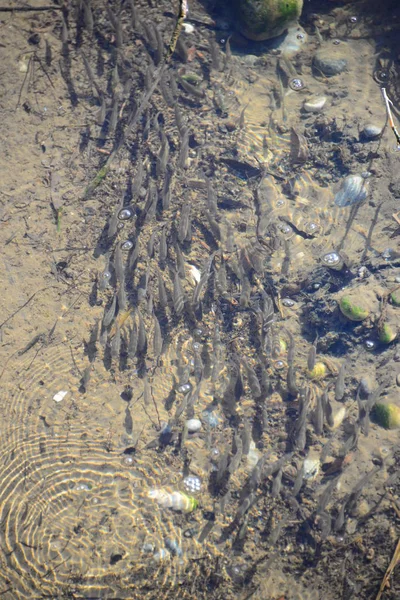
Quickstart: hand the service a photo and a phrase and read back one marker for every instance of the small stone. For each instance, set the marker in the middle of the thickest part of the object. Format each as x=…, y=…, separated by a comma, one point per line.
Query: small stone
x=366, y=387
x=314, y=105
x=311, y=468
x=193, y=425
x=328, y=63
x=59, y=397
x=371, y=131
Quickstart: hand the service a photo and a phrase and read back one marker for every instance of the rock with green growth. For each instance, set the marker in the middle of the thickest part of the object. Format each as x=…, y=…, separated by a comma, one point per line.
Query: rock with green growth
x=264, y=19
x=318, y=372
x=387, y=333
x=389, y=329
x=386, y=415
x=353, y=309
x=395, y=297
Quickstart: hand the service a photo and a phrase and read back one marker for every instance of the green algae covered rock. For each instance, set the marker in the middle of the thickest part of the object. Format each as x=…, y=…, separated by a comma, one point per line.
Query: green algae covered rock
x=353, y=309
x=389, y=329
x=395, y=297
x=387, y=333
x=386, y=415
x=264, y=19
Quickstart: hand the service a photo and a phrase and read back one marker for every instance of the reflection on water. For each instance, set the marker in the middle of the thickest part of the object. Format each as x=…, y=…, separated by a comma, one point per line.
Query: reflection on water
x=195, y=421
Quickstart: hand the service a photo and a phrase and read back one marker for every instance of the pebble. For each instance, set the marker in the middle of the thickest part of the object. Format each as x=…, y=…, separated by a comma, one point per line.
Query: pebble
x=330, y=65
x=366, y=387
x=314, y=105
x=193, y=425
x=398, y=379
x=371, y=131
x=60, y=396
x=311, y=468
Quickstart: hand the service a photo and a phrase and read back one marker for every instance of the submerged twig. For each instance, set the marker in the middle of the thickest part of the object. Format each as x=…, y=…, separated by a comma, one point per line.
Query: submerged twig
x=395, y=560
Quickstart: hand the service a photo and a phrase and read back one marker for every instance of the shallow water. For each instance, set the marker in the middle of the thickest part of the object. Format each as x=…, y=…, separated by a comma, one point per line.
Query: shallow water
x=266, y=182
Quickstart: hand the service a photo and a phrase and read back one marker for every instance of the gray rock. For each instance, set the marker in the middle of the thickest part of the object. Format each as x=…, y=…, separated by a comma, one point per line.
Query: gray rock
x=371, y=131
x=329, y=64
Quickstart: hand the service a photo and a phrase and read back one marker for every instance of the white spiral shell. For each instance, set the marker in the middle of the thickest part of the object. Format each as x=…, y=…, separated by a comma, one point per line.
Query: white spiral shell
x=175, y=500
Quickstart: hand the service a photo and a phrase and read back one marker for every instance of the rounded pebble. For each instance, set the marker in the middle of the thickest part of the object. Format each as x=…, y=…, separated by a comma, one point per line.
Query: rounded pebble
x=327, y=63
x=314, y=105
x=193, y=425
x=371, y=131
x=311, y=468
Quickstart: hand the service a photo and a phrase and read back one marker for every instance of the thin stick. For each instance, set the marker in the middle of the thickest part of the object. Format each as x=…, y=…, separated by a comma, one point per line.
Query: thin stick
x=389, y=571
x=388, y=102
x=28, y=8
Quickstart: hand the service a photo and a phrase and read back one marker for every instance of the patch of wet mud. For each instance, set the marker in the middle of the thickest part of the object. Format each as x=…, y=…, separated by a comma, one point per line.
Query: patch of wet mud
x=187, y=382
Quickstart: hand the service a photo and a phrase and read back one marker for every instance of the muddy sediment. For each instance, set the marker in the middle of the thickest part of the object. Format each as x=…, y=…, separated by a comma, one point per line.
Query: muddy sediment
x=196, y=338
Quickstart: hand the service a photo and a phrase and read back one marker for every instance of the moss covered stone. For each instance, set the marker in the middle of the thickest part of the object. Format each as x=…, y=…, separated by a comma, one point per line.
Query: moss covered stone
x=386, y=415
x=352, y=310
x=265, y=19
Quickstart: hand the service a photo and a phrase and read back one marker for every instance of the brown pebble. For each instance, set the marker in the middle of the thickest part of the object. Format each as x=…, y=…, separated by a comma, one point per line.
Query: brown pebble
x=398, y=379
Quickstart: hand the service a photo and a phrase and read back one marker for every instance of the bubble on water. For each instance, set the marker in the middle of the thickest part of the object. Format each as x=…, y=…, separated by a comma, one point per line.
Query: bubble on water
x=296, y=84
x=336, y=42
x=127, y=245
x=184, y=388
x=285, y=228
x=196, y=346
x=287, y=302
x=125, y=214
x=370, y=345
x=333, y=260
x=128, y=460
x=279, y=365
x=353, y=19
x=311, y=228
x=192, y=483
x=80, y=487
